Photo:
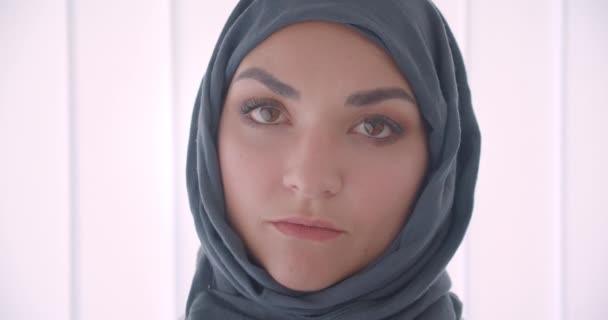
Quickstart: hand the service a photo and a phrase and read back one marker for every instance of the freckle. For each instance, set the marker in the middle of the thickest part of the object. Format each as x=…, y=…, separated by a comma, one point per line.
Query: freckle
x=365, y=251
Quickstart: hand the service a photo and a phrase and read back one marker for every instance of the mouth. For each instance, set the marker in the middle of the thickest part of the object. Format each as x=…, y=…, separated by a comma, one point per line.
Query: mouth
x=304, y=229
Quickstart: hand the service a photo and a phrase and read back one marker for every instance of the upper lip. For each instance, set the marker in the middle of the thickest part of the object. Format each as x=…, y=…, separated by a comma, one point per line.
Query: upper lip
x=318, y=223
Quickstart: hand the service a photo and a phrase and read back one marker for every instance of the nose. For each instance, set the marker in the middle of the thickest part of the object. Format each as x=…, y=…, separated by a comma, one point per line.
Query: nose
x=313, y=170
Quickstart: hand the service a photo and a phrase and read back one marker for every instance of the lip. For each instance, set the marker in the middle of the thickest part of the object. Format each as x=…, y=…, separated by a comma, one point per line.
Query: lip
x=307, y=229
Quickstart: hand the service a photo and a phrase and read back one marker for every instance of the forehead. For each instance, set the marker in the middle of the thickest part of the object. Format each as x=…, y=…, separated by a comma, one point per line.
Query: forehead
x=325, y=53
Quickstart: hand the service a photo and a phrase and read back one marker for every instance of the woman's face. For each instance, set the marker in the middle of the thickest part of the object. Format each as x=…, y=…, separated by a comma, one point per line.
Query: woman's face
x=319, y=128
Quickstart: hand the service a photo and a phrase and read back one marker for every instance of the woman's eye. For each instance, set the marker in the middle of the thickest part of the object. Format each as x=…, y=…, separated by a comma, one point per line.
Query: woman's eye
x=266, y=115
x=262, y=112
x=378, y=128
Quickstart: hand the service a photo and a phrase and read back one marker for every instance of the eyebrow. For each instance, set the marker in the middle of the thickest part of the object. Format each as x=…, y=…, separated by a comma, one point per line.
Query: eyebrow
x=357, y=99
x=274, y=84
x=369, y=97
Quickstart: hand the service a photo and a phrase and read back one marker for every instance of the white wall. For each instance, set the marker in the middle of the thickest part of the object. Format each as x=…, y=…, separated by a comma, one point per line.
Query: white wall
x=585, y=243
x=516, y=69
x=95, y=103
x=35, y=176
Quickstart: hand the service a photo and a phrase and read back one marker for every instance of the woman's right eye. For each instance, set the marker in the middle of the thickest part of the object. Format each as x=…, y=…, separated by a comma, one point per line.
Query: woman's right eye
x=266, y=115
x=263, y=112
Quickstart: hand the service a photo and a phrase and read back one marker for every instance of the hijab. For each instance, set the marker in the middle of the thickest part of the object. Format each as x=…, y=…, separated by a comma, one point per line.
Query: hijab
x=408, y=281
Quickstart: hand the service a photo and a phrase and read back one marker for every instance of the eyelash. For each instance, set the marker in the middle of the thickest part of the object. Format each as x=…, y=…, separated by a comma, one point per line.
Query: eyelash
x=255, y=103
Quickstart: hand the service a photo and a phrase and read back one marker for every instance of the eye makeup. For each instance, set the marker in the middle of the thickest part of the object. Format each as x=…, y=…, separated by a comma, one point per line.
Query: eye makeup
x=254, y=103
x=396, y=130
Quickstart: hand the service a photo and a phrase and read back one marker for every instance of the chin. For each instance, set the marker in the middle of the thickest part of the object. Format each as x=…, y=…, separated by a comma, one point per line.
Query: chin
x=296, y=279
x=301, y=283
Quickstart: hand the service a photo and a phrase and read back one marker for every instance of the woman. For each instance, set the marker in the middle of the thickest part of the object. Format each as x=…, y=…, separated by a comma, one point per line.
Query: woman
x=332, y=163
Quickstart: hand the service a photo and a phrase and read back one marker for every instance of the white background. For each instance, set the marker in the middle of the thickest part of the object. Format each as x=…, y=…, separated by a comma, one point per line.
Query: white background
x=95, y=103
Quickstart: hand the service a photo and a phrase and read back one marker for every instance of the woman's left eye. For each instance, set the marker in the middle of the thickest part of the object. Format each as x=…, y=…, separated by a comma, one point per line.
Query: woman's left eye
x=378, y=128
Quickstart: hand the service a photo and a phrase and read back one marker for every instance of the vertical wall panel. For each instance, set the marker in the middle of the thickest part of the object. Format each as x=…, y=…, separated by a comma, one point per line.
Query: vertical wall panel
x=124, y=135
x=513, y=238
x=587, y=156
x=197, y=25
x=34, y=153
x=455, y=12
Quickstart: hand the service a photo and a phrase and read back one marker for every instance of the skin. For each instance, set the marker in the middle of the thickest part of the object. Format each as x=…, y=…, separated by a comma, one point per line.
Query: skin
x=308, y=150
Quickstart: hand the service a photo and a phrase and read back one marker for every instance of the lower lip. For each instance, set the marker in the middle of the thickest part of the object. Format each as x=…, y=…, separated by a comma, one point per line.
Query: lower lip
x=305, y=232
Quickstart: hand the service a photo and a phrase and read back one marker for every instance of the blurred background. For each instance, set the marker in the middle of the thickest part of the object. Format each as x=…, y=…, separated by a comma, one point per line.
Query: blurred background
x=95, y=104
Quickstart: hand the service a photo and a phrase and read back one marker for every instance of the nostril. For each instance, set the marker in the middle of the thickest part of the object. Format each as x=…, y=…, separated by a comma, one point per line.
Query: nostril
x=312, y=186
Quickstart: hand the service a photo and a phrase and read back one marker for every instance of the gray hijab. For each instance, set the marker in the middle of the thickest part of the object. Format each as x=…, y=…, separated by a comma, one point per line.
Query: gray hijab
x=409, y=280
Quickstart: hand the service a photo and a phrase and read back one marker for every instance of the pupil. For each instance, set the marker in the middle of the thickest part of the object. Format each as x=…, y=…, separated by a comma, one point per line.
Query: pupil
x=374, y=128
x=267, y=114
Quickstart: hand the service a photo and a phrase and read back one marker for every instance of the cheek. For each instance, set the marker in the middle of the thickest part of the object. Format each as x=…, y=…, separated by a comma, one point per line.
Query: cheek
x=249, y=170
x=383, y=195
